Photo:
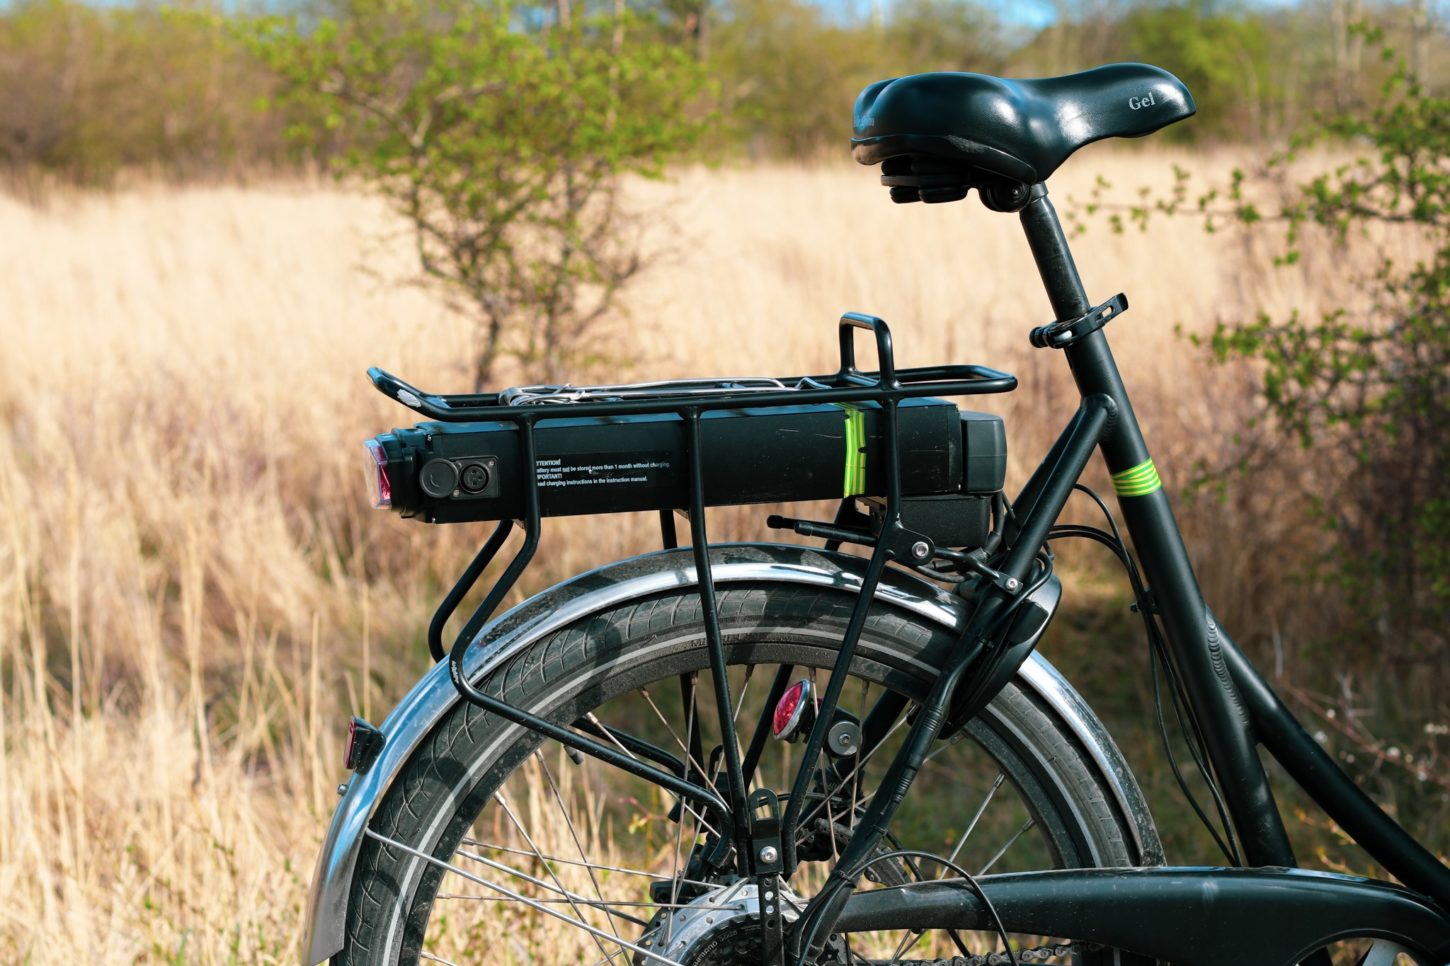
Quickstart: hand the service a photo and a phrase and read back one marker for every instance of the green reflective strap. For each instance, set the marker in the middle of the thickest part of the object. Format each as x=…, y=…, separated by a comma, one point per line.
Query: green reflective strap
x=1139, y=480
x=854, y=482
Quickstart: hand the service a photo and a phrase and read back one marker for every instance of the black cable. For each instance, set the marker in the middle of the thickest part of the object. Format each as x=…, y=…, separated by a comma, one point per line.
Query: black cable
x=1154, y=658
x=1107, y=514
x=1157, y=654
x=1193, y=736
x=966, y=876
x=1045, y=561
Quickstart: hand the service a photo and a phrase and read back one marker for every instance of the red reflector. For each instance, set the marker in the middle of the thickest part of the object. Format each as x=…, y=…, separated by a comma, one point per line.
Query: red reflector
x=376, y=468
x=790, y=708
x=364, y=743
x=349, y=750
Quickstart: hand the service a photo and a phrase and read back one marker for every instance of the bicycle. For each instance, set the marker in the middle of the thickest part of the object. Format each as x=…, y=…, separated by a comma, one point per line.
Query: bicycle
x=487, y=806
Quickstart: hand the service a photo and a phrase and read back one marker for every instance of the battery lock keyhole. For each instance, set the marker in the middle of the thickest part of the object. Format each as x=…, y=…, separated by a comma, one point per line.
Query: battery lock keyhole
x=439, y=478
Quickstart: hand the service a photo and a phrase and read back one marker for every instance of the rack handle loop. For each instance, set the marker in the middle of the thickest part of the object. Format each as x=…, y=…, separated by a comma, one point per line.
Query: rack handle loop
x=885, y=357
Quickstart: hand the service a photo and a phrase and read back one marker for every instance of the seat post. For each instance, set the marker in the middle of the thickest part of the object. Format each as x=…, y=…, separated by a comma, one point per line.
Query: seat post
x=1091, y=361
x=1054, y=260
x=1093, y=366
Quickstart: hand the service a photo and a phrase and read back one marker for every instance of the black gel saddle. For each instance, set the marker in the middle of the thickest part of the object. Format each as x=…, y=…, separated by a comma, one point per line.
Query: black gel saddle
x=940, y=133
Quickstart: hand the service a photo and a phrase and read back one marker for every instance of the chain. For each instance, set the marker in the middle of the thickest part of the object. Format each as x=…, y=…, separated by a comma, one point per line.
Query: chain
x=1036, y=954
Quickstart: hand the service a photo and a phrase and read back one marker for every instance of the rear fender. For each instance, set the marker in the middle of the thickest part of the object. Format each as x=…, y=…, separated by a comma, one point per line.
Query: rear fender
x=431, y=699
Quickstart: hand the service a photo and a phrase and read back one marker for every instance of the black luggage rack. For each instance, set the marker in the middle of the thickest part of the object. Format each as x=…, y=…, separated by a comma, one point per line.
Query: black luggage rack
x=688, y=399
x=849, y=384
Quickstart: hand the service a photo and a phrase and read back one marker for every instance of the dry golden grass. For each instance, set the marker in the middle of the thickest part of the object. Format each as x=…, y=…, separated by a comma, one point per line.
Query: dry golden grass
x=192, y=594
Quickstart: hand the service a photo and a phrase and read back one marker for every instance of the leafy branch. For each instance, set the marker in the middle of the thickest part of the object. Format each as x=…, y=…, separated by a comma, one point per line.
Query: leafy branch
x=501, y=133
x=1366, y=383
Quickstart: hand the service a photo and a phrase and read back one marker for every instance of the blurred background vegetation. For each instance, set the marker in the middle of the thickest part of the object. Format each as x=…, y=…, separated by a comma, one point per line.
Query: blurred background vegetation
x=92, y=90
x=101, y=95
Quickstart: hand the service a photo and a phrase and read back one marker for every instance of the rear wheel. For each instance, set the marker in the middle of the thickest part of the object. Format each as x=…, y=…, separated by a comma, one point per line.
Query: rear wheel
x=494, y=846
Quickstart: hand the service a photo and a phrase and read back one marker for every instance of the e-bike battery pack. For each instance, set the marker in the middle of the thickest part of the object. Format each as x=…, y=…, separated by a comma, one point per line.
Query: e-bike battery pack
x=458, y=472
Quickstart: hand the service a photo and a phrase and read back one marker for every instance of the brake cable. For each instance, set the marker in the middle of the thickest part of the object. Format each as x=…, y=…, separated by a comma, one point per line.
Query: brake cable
x=1157, y=653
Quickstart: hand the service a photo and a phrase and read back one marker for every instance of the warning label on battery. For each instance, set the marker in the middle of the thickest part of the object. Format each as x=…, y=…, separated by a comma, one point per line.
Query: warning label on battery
x=604, y=469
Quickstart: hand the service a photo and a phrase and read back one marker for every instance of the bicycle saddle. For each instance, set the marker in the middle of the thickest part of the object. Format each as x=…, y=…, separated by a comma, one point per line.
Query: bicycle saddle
x=1017, y=130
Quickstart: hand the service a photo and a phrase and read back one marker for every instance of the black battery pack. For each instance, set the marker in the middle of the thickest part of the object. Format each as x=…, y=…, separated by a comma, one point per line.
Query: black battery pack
x=449, y=472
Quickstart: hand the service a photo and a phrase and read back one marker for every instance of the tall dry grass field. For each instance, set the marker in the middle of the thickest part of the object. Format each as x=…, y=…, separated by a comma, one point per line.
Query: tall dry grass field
x=193, y=594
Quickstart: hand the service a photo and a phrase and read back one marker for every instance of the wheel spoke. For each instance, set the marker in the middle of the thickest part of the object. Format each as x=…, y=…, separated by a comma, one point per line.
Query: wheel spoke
x=609, y=958
x=1003, y=850
x=509, y=893
x=683, y=804
x=424, y=954
x=573, y=832
x=996, y=784
x=698, y=765
x=565, y=902
x=475, y=843
x=907, y=941
x=502, y=801
x=690, y=725
x=572, y=898
x=744, y=686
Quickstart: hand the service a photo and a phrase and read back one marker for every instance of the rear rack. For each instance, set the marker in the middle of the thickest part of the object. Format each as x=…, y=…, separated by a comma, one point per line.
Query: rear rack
x=847, y=384
x=688, y=399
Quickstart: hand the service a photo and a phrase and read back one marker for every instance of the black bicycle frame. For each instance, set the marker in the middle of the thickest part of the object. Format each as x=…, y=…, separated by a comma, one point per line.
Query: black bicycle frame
x=1233, y=707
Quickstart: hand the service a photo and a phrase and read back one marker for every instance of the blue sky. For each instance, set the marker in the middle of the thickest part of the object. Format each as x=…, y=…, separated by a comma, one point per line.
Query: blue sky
x=1023, y=13
x=1035, y=14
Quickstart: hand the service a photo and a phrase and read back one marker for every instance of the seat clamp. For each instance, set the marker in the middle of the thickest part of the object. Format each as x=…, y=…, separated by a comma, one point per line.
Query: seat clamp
x=1060, y=335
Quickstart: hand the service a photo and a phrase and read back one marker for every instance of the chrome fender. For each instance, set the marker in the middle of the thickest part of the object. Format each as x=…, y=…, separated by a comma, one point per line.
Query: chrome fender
x=589, y=593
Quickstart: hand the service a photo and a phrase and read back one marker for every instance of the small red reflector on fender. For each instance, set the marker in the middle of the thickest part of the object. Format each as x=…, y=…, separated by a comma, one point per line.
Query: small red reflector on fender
x=364, y=743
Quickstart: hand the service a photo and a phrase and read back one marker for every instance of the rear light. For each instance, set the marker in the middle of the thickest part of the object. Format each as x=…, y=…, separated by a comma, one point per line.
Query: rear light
x=376, y=469
x=791, y=710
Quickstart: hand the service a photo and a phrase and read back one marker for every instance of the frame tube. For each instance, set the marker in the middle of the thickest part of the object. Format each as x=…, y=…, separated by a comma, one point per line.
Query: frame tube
x=1192, y=638
x=1187, y=916
x=1342, y=800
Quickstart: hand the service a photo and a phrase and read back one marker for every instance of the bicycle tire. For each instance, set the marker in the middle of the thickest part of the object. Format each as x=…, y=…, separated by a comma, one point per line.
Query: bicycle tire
x=461, y=766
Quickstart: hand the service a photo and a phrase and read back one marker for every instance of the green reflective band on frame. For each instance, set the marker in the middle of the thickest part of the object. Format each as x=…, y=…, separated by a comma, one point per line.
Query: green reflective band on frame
x=1138, y=481
x=854, y=482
